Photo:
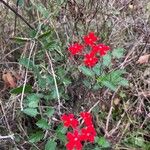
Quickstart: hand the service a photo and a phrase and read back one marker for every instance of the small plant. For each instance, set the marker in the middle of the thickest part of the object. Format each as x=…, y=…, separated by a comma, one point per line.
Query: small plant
x=97, y=59
x=79, y=135
x=95, y=62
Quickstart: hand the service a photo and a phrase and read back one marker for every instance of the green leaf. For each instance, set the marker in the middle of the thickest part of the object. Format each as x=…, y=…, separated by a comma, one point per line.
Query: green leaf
x=43, y=124
x=20, y=2
x=113, y=79
x=86, y=71
x=49, y=112
x=109, y=85
x=103, y=142
x=42, y=82
x=60, y=2
x=139, y=141
x=97, y=148
x=106, y=60
x=118, y=52
x=124, y=82
x=62, y=137
x=30, y=111
x=53, y=94
x=26, y=62
x=18, y=90
x=61, y=131
x=41, y=8
x=35, y=137
x=45, y=34
x=50, y=145
x=66, y=81
x=97, y=69
x=33, y=100
x=87, y=83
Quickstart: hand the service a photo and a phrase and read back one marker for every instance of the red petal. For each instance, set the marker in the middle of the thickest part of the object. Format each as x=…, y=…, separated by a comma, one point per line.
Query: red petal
x=70, y=136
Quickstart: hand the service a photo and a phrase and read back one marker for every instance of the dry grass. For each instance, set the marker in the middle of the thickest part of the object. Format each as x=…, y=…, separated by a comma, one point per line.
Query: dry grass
x=120, y=24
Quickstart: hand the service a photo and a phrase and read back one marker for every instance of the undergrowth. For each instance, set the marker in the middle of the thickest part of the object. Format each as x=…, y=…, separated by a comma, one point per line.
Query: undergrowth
x=55, y=66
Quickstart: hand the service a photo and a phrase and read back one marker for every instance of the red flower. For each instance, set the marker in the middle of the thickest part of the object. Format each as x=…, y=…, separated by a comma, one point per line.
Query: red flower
x=74, y=141
x=88, y=134
x=90, y=60
x=75, y=48
x=90, y=39
x=69, y=120
x=87, y=118
x=101, y=48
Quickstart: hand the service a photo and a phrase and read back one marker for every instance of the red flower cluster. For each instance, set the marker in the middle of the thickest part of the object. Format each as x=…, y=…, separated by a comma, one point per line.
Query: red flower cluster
x=76, y=138
x=90, y=59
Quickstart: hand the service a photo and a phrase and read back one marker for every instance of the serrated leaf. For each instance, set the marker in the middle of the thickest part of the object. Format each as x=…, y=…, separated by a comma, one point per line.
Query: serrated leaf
x=50, y=145
x=30, y=111
x=49, y=111
x=62, y=137
x=87, y=83
x=42, y=82
x=86, y=71
x=18, y=90
x=118, y=52
x=41, y=8
x=124, y=82
x=45, y=34
x=97, y=69
x=103, y=142
x=66, y=81
x=113, y=79
x=53, y=94
x=139, y=141
x=20, y=2
x=26, y=62
x=33, y=100
x=43, y=124
x=97, y=148
x=61, y=129
x=107, y=60
x=35, y=137
x=109, y=85
x=60, y=2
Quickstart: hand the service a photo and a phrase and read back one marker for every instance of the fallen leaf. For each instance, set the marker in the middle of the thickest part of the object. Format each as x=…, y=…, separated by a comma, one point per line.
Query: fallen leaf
x=131, y=6
x=8, y=79
x=143, y=59
x=116, y=101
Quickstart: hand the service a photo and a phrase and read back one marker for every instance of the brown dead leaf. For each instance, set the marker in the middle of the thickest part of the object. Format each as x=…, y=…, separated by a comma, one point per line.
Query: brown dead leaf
x=143, y=59
x=116, y=101
x=8, y=79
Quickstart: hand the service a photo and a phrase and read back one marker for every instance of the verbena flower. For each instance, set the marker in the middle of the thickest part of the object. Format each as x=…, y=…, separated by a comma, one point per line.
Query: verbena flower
x=90, y=39
x=75, y=48
x=87, y=118
x=69, y=120
x=90, y=60
x=78, y=136
x=100, y=48
x=88, y=134
x=74, y=141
